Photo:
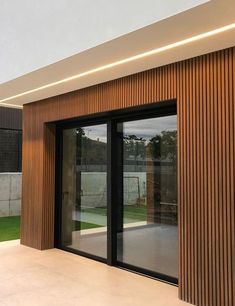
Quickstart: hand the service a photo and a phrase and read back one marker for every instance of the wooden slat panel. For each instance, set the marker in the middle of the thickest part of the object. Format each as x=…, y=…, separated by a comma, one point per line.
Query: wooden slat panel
x=48, y=181
x=205, y=91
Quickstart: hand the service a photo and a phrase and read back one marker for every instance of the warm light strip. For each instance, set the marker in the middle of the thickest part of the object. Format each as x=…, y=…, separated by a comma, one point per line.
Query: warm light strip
x=10, y=105
x=123, y=61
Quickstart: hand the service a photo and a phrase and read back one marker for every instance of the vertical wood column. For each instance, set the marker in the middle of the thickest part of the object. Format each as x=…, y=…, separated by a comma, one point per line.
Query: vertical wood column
x=206, y=181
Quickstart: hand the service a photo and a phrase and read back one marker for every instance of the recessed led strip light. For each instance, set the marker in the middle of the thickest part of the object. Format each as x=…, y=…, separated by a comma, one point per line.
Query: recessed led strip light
x=10, y=105
x=123, y=61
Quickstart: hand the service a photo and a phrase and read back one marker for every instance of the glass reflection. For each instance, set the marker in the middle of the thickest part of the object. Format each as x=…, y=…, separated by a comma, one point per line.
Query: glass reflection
x=84, y=189
x=147, y=237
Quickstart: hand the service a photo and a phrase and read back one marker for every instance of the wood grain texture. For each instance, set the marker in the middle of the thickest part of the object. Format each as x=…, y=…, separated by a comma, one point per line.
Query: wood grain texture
x=205, y=91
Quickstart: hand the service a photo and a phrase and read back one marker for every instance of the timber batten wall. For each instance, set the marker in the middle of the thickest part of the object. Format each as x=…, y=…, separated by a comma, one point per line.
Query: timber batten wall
x=205, y=91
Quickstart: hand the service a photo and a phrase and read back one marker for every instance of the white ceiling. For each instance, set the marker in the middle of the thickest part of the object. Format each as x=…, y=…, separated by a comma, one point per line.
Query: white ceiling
x=38, y=33
x=200, y=19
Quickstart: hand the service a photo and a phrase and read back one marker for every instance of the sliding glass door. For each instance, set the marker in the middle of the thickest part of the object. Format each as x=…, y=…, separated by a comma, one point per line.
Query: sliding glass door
x=118, y=190
x=147, y=238
x=84, y=190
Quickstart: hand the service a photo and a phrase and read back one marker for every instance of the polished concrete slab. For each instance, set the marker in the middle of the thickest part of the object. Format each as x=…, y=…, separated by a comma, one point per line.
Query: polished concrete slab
x=56, y=278
x=153, y=247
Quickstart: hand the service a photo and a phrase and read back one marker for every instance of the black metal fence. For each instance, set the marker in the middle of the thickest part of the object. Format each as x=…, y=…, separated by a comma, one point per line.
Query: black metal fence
x=10, y=150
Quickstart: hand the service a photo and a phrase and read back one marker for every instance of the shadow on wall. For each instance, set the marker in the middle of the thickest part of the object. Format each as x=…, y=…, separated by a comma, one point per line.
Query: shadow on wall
x=10, y=194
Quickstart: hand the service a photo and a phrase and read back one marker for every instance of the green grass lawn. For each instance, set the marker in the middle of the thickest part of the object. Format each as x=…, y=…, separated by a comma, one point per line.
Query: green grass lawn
x=9, y=228
x=131, y=212
x=77, y=225
x=135, y=212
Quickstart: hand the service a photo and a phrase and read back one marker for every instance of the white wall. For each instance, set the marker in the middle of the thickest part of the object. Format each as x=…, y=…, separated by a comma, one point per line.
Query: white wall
x=36, y=33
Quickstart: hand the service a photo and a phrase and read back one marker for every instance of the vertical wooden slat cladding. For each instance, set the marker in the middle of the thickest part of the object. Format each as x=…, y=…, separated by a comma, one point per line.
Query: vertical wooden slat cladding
x=205, y=91
x=48, y=181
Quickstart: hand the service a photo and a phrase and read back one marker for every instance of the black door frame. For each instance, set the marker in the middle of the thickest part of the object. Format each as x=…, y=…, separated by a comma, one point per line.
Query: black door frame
x=114, y=179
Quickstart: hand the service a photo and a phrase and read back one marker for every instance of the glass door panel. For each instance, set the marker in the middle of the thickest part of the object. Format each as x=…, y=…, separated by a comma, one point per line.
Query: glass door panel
x=147, y=225
x=84, y=190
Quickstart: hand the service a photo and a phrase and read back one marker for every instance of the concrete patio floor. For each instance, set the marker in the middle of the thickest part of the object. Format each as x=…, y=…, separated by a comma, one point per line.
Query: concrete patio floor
x=29, y=277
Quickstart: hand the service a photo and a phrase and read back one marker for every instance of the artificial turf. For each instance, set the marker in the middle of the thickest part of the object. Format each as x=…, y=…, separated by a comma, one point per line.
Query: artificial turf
x=131, y=212
x=9, y=228
x=77, y=225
